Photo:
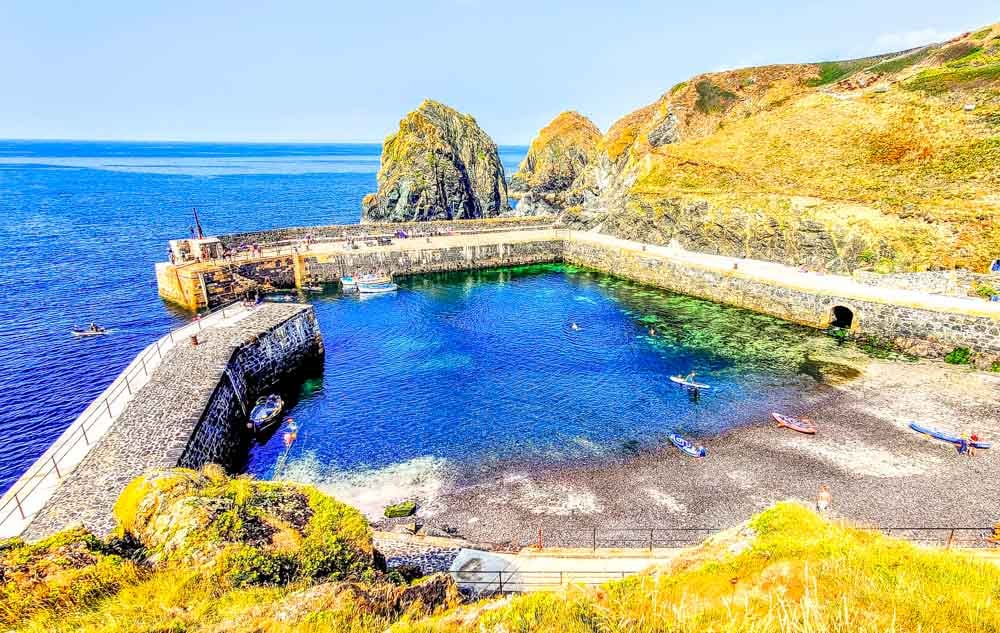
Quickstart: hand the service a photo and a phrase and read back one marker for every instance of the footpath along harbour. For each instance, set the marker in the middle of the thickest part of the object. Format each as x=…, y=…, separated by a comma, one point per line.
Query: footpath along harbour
x=571, y=436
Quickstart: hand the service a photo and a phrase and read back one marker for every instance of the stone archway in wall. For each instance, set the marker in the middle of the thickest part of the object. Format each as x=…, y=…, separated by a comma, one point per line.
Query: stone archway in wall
x=844, y=317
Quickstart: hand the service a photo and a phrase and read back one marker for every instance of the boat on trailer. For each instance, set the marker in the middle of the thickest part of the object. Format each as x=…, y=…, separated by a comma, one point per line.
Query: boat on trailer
x=265, y=412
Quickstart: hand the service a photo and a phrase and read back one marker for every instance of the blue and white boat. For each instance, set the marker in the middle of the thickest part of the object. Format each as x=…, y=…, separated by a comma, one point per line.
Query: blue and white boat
x=348, y=283
x=265, y=412
x=687, y=447
x=371, y=284
x=947, y=437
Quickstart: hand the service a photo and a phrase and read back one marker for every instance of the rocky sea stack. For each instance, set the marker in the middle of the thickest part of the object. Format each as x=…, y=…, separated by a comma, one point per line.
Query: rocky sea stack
x=557, y=156
x=440, y=165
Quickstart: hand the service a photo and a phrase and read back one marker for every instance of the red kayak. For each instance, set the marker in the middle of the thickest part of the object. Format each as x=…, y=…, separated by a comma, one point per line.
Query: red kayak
x=796, y=424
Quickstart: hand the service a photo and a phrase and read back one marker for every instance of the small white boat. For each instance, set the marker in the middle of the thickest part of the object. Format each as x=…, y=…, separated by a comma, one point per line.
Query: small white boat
x=376, y=287
x=348, y=283
x=373, y=284
x=690, y=385
x=83, y=333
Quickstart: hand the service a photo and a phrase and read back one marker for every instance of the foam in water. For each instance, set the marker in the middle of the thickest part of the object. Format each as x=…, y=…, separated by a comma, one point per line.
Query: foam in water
x=372, y=489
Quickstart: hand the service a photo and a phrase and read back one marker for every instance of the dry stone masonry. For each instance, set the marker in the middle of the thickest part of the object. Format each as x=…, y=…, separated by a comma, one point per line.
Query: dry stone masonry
x=191, y=412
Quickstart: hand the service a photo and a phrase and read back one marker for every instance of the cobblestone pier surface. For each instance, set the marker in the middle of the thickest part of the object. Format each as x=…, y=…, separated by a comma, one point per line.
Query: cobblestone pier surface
x=191, y=412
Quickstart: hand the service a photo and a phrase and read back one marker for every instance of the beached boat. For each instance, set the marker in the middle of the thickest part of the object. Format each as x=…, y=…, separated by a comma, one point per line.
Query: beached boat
x=687, y=447
x=691, y=385
x=946, y=437
x=796, y=424
x=265, y=413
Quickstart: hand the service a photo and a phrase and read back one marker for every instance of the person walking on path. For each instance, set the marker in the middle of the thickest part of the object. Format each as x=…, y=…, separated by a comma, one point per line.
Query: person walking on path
x=824, y=499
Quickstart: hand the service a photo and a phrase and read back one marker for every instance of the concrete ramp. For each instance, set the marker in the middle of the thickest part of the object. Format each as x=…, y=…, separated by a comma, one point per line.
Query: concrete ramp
x=479, y=572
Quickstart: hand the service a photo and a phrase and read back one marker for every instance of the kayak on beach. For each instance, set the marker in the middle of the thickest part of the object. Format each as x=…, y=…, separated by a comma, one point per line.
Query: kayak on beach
x=945, y=437
x=686, y=446
x=691, y=385
x=802, y=425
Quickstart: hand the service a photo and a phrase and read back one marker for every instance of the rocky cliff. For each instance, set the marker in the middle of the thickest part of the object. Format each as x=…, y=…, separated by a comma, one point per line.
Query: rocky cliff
x=439, y=165
x=888, y=163
x=556, y=158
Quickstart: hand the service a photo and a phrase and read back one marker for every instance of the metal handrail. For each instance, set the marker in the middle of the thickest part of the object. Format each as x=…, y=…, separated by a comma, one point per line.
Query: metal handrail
x=595, y=538
x=98, y=410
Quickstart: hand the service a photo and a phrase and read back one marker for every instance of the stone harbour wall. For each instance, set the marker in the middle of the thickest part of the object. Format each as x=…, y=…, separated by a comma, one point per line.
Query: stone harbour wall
x=191, y=412
x=954, y=283
x=327, y=268
x=340, y=231
x=922, y=331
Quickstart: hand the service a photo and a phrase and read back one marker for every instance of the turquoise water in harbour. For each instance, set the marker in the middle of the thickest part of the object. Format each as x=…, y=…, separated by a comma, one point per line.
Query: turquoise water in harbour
x=464, y=367
x=482, y=366
x=81, y=224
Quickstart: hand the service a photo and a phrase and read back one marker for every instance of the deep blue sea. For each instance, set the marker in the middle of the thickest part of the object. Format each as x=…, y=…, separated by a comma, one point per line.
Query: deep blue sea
x=465, y=368
x=81, y=224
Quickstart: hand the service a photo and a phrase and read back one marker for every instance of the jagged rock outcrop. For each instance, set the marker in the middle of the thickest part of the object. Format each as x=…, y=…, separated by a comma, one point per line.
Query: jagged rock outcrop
x=884, y=163
x=555, y=159
x=439, y=165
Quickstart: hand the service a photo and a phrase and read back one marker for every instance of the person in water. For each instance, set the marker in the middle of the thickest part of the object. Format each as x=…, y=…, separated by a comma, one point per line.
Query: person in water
x=94, y=328
x=574, y=326
x=690, y=377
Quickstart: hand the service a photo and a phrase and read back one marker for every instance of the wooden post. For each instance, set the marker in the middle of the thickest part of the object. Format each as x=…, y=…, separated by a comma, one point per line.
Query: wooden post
x=500, y=578
x=951, y=538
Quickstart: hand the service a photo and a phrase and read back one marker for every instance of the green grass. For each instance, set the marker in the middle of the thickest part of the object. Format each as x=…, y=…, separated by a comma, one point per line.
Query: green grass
x=959, y=356
x=938, y=81
x=891, y=66
x=831, y=72
x=800, y=574
x=978, y=35
x=712, y=98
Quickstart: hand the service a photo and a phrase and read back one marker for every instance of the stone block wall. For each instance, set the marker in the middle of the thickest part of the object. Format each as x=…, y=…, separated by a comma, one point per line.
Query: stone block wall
x=924, y=332
x=953, y=283
x=255, y=368
x=191, y=412
x=271, y=236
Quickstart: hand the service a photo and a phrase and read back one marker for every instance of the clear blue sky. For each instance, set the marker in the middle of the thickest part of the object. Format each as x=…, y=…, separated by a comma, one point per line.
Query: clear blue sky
x=334, y=70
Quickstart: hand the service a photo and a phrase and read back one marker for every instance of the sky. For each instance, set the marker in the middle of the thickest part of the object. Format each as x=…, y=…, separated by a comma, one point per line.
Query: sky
x=348, y=71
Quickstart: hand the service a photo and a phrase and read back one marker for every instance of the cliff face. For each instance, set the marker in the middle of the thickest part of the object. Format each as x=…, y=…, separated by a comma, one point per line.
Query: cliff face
x=889, y=162
x=440, y=165
x=556, y=158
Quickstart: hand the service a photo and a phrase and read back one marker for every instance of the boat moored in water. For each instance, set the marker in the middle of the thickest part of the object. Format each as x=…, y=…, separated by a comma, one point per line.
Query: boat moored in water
x=265, y=412
x=374, y=284
x=348, y=283
x=93, y=330
x=687, y=383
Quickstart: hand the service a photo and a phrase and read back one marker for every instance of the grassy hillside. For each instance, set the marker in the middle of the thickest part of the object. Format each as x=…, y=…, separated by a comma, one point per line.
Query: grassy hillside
x=897, y=156
x=203, y=552
x=791, y=571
